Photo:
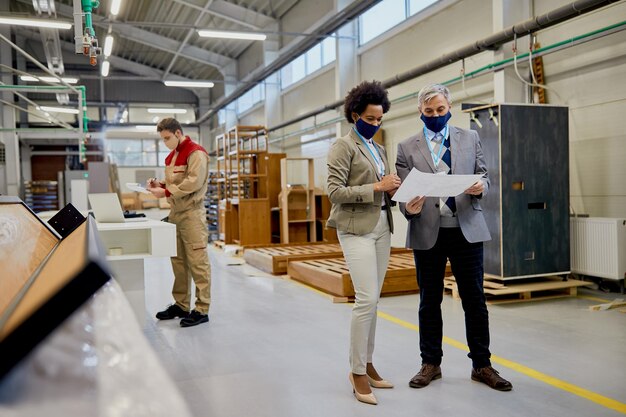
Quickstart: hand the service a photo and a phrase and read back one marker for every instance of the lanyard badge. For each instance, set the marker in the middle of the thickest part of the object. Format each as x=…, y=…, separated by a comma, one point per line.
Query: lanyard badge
x=379, y=160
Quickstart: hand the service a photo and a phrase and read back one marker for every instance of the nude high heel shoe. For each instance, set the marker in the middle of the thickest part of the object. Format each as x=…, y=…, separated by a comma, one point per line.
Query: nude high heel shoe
x=383, y=383
x=364, y=398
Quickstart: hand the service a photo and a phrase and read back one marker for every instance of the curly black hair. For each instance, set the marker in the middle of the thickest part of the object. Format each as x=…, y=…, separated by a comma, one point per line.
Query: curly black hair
x=368, y=92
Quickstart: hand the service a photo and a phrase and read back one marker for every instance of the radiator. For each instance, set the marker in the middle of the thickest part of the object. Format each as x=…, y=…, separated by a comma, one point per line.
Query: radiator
x=598, y=247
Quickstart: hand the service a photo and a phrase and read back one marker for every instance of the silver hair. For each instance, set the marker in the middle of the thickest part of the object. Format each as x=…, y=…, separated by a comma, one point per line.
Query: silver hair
x=430, y=91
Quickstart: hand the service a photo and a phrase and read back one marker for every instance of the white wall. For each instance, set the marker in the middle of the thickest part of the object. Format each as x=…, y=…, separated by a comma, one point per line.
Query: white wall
x=589, y=78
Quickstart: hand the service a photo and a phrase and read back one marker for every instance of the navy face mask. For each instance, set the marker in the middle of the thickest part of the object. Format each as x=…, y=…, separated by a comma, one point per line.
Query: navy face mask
x=365, y=129
x=436, y=123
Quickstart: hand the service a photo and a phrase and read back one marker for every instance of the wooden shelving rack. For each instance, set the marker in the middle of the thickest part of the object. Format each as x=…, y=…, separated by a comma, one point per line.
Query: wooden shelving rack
x=249, y=176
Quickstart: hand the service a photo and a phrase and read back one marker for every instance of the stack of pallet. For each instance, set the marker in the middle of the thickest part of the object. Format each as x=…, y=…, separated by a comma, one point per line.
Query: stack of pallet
x=501, y=292
x=322, y=266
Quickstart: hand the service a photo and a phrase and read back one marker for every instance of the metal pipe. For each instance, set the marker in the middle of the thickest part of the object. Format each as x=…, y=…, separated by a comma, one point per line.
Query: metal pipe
x=47, y=71
x=6, y=103
x=78, y=27
x=353, y=10
x=34, y=61
x=62, y=153
x=57, y=121
x=487, y=69
x=493, y=41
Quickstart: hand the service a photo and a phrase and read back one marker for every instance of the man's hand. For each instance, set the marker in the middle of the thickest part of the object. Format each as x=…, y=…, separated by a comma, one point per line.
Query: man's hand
x=153, y=183
x=415, y=206
x=476, y=189
x=158, y=192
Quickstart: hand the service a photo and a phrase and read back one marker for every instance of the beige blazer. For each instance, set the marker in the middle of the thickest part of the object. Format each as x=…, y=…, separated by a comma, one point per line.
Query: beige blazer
x=352, y=173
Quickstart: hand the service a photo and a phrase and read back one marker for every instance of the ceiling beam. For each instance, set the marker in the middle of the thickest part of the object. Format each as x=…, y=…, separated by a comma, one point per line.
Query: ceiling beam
x=234, y=13
x=117, y=62
x=156, y=41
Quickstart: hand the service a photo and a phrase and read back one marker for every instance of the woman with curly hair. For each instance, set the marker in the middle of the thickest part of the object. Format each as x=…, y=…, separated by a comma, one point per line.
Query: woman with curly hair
x=360, y=186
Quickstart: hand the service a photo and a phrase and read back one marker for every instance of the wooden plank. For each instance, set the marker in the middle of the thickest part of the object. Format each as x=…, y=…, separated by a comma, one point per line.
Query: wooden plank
x=618, y=302
x=274, y=258
x=332, y=276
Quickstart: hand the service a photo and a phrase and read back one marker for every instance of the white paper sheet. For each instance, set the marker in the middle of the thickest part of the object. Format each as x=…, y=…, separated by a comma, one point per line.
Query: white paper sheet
x=433, y=185
x=135, y=186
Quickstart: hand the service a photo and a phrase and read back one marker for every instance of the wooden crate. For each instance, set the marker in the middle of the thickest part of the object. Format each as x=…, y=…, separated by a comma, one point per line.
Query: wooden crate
x=538, y=289
x=332, y=275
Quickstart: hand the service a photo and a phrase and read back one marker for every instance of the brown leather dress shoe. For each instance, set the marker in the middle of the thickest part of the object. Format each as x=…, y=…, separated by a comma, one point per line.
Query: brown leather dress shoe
x=491, y=377
x=426, y=374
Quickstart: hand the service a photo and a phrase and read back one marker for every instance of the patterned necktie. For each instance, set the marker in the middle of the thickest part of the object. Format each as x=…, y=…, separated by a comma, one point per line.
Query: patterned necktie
x=447, y=159
x=447, y=207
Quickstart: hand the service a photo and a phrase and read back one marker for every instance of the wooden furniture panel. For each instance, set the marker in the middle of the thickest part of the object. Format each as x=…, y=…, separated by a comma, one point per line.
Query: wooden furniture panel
x=297, y=204
x=254, y=221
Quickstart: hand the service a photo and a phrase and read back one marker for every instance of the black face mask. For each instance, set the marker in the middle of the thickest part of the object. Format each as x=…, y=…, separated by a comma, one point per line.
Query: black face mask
x=365, y=129
x=436, y=123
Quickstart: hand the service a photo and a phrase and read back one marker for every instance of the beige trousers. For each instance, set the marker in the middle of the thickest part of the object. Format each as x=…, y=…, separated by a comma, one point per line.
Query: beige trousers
x=191, y=260
x=367, y=257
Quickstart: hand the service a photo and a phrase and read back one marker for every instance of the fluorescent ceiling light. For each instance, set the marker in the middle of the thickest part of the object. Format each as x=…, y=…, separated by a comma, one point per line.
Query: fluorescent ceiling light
x=40, y=23
x=108, y=45
x=69, y=80
x=232, y=35
x=58, y=110
x=105, y=68
x=167, y=111
x=205, y=84
x=115, y=7
x=146, y=128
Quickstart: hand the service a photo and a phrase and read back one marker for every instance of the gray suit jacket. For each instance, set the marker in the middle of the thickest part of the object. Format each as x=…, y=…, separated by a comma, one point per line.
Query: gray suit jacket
x=467, y=158
x=352, y=173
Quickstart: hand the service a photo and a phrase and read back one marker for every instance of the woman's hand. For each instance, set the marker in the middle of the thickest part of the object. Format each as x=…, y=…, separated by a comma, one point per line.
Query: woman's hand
x=389, y=182
x=415, y=206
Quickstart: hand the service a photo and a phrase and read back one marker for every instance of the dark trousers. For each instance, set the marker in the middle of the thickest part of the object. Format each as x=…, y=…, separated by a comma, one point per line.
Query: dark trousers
x=466, y=260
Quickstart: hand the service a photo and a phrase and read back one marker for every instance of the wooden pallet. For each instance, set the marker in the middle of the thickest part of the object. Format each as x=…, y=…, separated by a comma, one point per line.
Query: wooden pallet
x=332, y=276
x=274, y=259
x=546, y=288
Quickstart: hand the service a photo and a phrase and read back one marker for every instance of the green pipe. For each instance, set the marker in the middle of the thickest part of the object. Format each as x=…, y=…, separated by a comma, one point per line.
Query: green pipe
x=506, y=61
x=88, y=6
x=535, y=52
x=83, y=94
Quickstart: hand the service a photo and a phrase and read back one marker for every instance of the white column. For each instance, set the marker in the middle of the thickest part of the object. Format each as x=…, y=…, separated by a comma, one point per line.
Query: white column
x=507, y=86
x=230, y=83
x=12, y=177
x=204, y=129
x=346, y=65
x=273, y=99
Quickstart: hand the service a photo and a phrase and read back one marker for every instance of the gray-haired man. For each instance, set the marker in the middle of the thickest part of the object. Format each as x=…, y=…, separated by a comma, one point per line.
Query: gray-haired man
x=450, y=228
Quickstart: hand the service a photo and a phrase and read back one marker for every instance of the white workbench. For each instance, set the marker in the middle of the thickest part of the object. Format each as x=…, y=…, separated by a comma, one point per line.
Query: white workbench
x=138, y=241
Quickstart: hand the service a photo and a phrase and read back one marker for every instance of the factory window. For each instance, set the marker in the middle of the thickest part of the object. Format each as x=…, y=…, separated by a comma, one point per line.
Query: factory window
x=255, y=95
x=136, y=152
x=320, y=55
x=387, y=14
